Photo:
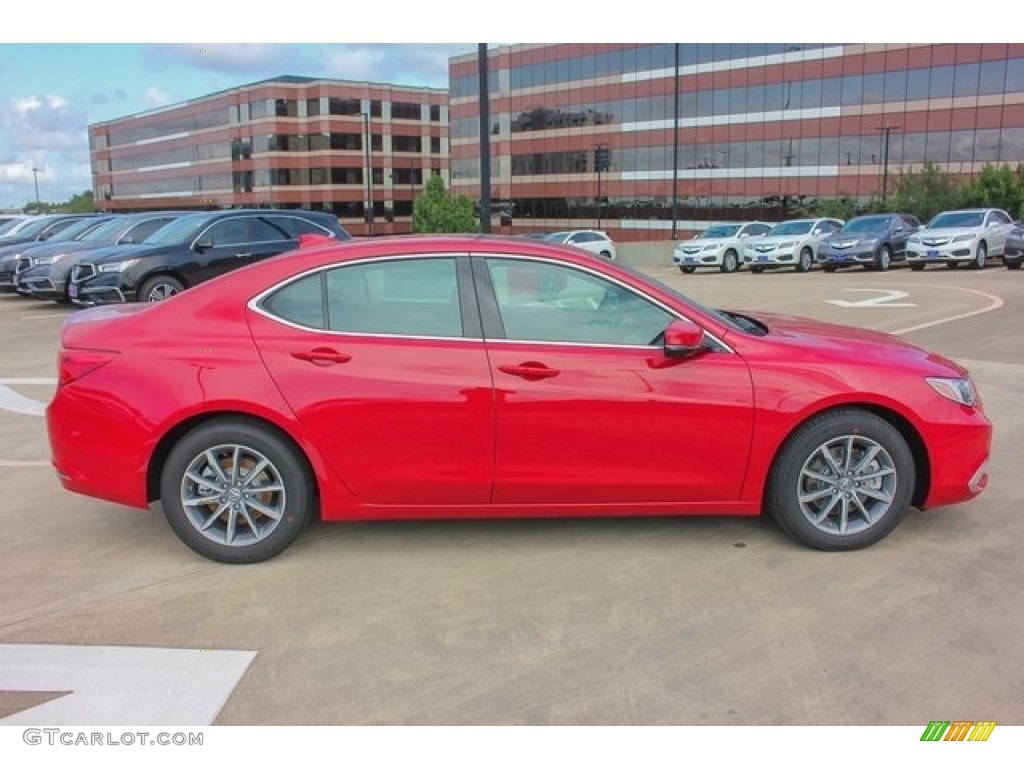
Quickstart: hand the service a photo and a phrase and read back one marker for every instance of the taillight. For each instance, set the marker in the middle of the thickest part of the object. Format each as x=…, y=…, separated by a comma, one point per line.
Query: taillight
x=73, y=364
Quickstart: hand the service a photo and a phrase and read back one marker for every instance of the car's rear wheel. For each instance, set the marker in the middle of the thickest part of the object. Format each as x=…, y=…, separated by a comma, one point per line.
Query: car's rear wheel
x=730, y=261
x=884, y=259
x=687, y=270
x=606, y=254
x=236, y=492
x=805, y=261
x=1012, y=263
x=980, y=256
x=843, y=481
x=160, y=287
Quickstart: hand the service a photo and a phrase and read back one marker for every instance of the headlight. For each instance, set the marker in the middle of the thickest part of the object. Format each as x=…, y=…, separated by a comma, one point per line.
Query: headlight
x=48, y=259
x=788, y=244
x=116, y=266
x=958, y=390
x=915, y=240
x=713, y=247
x=964, y=238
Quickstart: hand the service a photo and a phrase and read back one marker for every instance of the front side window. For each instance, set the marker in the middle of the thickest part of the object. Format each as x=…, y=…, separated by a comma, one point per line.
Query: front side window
x=539, y=301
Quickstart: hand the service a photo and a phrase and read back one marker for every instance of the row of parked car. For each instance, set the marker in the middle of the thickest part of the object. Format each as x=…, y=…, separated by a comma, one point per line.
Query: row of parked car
x=90, y=259
x=875, y=241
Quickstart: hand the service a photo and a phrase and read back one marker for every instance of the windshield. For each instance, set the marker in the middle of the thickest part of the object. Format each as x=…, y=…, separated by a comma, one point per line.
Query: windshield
x=867, y=224
x=556, y=237
x=74, y=230
x=719, y=230
x=105, y=232
x=178, y=232
x=10, y=224
x=33, y=228
x=792, y=228
x=957, y=219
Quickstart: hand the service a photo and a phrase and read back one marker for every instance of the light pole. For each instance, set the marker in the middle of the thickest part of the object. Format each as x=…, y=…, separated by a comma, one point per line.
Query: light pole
x=35, y=176
x=886, y=130
x=369, y=174
x=600, y=163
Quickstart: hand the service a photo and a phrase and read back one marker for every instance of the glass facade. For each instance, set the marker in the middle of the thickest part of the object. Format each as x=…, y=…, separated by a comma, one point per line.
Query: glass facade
x=726, y=131
x=286, y=142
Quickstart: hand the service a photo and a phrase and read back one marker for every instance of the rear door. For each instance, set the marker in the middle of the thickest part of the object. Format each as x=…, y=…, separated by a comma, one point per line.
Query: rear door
x=384, y=366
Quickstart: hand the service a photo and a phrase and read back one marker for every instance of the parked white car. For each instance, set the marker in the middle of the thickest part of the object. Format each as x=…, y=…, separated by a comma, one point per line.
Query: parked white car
x=789, y=244
x=960, y=237
x=592, y=240
x=720, y=245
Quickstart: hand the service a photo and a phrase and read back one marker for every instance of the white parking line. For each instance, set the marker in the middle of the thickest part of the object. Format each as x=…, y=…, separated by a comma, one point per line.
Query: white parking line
x=121, y=685
x=994, y=303
x=18, y=403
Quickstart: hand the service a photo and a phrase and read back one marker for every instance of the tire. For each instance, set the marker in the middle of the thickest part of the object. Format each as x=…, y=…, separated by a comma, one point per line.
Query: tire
x=606, y=254
x=952, y=265
x=158, y=288
x=1013, y=264
x=980, y=256
x=810, y=507
x=805, y=260
x=829, y=267
x=917, y=267
x=687, y=270
x=757, y=270
x=237, y=525
x=730, y=261
x=884, y=259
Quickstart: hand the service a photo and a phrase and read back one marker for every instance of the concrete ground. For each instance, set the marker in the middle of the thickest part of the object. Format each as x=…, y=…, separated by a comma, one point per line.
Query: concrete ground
x=583, y=622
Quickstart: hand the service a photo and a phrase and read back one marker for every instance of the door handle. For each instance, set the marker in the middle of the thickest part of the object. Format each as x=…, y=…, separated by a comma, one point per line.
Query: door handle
x=243, y=255
x=322, y=356
x=530, y=371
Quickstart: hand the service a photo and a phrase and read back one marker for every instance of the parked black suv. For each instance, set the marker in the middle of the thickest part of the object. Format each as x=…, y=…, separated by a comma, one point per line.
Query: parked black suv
x=191, y=250
x=45, y=271
x=872, y=241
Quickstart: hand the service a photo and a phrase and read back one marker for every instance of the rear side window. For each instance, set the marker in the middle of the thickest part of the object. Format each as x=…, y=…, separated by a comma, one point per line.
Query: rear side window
x=300, y=302
x=294, y=226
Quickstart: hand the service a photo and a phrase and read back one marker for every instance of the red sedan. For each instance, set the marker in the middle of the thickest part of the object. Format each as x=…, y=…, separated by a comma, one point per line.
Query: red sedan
x=462, y=376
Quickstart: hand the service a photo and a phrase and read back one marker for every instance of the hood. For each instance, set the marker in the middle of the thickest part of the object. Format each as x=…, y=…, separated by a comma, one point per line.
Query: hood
x=776, y=239
x=947, y=232
x=129, y=251
x=860, y=345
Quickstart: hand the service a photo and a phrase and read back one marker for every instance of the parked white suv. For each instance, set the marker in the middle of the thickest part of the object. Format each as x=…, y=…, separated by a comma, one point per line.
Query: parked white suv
x=960, y=237
x=720, y=245
x=789, y=244
x=592, y=240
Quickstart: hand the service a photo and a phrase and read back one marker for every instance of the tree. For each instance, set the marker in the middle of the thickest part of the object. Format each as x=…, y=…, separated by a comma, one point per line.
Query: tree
x=80, y=203
x=438, y=210
x=926, y=192
x=996, y=188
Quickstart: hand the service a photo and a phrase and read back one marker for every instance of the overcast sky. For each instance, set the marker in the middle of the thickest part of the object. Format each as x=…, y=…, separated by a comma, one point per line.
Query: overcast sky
x=66, y=63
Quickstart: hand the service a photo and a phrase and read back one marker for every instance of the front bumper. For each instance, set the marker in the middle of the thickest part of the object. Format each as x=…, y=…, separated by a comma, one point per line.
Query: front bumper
x=938, y=254
x=847, y=256
x=698, y=259
x=780, y=257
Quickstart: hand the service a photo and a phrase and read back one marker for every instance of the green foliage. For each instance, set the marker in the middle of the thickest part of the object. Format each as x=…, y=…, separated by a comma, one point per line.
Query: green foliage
x=925, y=192
x=80, y=203
x=836, y=208
x=996, y=188
x=437, y=210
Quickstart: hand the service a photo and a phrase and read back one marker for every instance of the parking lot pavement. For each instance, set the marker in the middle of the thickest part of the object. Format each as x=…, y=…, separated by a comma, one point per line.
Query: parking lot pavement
x=643, y=621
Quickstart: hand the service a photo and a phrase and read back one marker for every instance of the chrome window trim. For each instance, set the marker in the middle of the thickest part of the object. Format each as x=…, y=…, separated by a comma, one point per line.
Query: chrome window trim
x=255, y=303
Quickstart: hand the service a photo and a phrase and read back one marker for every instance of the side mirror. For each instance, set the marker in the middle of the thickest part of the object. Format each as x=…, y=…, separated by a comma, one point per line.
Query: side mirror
x=744, y=234
x=203, y=244
x=682, y=338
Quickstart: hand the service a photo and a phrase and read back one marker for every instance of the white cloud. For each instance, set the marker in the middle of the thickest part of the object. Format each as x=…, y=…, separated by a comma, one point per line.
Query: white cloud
x=156, y=96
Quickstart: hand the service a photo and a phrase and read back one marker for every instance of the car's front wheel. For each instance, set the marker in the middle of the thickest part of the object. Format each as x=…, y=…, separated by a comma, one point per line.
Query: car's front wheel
x=884, y=259
x=980, y=256
x=236, y=492
x=730, y=261
x=805, y=261
x=843, y=481
x=160, y=287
